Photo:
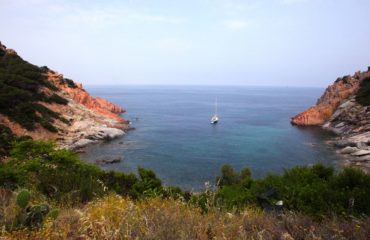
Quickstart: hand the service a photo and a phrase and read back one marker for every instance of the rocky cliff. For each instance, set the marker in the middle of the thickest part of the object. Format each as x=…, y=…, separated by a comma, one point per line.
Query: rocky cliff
x=341, y=110
x=41, y=103
x=334, y=95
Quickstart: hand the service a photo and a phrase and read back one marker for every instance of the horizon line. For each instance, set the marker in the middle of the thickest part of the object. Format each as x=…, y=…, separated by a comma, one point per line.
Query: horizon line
x=196, y=85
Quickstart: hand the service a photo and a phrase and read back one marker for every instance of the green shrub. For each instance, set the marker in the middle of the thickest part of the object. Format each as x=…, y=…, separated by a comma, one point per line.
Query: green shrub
x=230, y=177
x=70, y=83
x=60, y=175
x=149, y=184
x=6, y=138
x=53, y=214
x=363, y=94
x=316, y=190
x=23, y=198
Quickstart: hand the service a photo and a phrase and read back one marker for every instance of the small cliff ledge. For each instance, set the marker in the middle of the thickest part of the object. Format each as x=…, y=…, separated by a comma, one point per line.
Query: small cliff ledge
x=344, y=108
x=40, y=103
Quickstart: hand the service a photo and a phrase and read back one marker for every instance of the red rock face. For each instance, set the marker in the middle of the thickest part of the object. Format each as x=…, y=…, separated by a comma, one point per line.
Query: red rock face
x=330, y=100
x=78, y=94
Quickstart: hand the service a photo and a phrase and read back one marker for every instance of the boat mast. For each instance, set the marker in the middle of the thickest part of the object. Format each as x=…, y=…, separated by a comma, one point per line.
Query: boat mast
x=216, y=107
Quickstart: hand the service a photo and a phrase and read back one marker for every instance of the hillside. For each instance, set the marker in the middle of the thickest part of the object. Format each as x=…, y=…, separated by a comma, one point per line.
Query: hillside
x=344, y=108
x=42, y=104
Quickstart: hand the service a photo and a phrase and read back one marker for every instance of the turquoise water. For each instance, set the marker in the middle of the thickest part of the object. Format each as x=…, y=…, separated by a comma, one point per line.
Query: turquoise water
x=174, y=137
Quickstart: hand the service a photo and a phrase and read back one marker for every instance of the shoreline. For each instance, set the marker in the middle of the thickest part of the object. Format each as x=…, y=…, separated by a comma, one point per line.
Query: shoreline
x=353, y=133
x=82, y=144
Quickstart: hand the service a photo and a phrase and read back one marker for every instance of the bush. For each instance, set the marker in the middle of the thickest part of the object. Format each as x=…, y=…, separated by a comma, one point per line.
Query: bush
x=363, y=94
x=60, y=175
x=230, y=177
x=6, y=138
x=316, y=190
x=70, y=83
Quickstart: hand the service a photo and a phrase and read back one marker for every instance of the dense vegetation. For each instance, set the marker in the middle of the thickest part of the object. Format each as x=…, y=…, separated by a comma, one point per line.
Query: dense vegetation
x=7, y=138
x=116, y=217
x=59, y=175
x=39, y=184
x=316, y=190
x=20, y=93
x=363, y=94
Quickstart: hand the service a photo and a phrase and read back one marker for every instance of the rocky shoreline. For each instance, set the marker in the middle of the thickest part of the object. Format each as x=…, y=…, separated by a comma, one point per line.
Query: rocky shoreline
x=79, y=119
x=338, y=111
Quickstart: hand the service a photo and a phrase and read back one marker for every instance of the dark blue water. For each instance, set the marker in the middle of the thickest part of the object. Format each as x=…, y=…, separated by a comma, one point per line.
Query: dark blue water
x=174, y=136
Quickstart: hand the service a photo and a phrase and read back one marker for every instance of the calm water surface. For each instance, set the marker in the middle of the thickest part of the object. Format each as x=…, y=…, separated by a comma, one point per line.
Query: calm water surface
x=174, y=136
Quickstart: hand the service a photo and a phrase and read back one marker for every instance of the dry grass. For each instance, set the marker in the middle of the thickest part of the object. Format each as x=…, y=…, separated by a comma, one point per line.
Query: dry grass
x=115, y=217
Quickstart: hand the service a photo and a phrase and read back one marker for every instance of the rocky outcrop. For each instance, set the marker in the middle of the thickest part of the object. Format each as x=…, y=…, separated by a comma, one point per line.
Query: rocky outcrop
x=109, y=160
x=337, y=110
x=78, y=118
x=351, y=121
x=78, y=94
x=333, y=96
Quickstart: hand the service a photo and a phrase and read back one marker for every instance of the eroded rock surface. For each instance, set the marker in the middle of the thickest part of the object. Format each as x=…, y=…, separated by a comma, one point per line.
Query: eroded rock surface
x=337, y=110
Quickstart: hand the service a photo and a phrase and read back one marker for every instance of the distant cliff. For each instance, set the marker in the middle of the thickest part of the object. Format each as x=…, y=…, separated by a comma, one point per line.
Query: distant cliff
x=344, y=108
x=42, y=104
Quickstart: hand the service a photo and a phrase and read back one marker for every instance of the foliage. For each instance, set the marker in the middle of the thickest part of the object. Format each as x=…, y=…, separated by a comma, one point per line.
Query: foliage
x=147, y=210
x=23, y=213
x=70, y=83
x=149, y=185
x=363, y=94
x=23, y=198
x=230, y=177
x=21, y=85
x=6, y=139
x=61, y=176
x=316, y=190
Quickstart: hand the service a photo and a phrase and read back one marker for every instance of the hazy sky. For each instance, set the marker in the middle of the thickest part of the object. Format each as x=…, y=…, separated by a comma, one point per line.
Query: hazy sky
x=250, y=42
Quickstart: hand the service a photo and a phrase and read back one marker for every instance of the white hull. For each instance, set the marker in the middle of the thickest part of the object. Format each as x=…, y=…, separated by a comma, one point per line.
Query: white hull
x=214, y=120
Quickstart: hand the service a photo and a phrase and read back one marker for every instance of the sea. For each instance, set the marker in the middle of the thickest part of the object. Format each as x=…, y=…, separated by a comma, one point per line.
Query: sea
x=174, y=138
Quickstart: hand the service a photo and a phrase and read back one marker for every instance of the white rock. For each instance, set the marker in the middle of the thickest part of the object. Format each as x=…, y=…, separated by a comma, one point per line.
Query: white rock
x=364, y=158
x=82, y=143
x=111, y=132
x=361, y=145
x=361, y=153
x=363, y=137
x=347, y=104
x=349, y=150
x=339, y=125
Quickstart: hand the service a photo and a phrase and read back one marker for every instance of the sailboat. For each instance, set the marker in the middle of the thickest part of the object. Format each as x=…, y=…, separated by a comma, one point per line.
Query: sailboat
x=214, y=118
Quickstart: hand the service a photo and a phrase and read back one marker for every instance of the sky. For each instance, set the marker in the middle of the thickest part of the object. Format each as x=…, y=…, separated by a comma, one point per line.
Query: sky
x=191, y=42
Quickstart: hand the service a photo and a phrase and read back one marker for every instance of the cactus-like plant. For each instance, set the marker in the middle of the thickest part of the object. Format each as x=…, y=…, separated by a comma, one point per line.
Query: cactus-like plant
x=36, y=215
x=23, y=198
x=53, y=214
x=32, y=215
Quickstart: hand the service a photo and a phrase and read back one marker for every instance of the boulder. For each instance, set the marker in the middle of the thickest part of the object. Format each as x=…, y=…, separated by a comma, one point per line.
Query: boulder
x=361, y=145
x=111, y=133
x=82, y=143
x=344, y=143
x=109, y=160
x=348, y=150
x=361, y=153
x=365, y=158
